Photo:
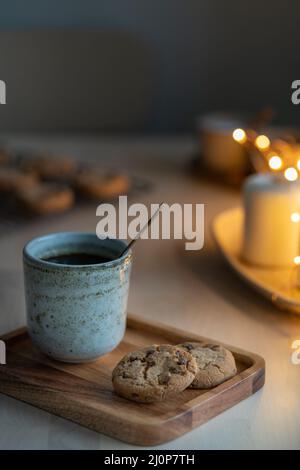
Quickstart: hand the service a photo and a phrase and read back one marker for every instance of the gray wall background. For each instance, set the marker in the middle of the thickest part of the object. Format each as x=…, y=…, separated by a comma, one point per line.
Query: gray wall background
x=154, y=65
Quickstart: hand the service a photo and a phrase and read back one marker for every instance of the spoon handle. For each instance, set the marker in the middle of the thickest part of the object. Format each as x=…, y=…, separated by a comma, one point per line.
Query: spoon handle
x=141, y=231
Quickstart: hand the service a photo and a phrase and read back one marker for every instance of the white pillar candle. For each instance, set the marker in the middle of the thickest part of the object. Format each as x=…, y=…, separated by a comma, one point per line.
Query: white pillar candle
x=272, y=221
x=220, y=152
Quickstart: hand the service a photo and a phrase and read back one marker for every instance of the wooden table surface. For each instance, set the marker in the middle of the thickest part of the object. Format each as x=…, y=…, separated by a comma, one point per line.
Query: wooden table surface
x=191, y=290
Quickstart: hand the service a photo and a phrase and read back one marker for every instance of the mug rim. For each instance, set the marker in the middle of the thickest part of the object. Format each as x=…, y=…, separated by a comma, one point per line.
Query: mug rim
x=37, y=261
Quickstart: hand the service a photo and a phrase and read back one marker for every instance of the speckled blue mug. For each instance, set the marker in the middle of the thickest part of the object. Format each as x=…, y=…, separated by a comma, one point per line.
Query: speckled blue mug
x=76, y=313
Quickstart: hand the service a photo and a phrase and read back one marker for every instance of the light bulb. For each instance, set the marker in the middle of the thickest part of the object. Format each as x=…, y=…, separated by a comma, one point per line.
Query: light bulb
x=239, y=135
x=275, y=162
x=291, y=174
x=262, y=142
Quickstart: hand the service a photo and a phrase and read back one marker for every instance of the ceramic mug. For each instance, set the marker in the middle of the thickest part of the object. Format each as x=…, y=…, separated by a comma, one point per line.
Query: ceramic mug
x=76, y=313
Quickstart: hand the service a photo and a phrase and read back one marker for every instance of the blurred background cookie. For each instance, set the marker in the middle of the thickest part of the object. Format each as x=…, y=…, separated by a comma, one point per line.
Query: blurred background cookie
x=50, y=168
x=97, y=185
x=12, y=180
x=4, y=156
x=46, y=198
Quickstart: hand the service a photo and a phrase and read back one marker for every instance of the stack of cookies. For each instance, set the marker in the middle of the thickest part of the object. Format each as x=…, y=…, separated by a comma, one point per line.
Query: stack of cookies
x=158, y=372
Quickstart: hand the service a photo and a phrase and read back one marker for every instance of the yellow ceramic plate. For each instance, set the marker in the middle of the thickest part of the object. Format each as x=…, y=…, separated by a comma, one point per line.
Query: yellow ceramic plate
x=278, y=285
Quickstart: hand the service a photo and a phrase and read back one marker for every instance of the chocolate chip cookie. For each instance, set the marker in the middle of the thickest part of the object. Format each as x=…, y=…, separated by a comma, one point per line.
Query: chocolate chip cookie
x=215, y=364
x=154, y=373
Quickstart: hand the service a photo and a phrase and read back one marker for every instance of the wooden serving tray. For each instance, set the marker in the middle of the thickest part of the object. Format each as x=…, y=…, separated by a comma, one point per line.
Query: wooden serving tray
x=277, y=284
x=83, y=393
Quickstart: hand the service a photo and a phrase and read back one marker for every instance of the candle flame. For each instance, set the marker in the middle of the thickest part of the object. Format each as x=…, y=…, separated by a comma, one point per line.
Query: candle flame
x=298, y=165
x=297, y=260
x=275, y=162
x=262, y=142
x=239, y=136
x=291, y=174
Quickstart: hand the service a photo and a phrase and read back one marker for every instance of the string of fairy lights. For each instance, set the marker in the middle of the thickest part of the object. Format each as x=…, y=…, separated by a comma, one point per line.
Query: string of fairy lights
x=277, y=155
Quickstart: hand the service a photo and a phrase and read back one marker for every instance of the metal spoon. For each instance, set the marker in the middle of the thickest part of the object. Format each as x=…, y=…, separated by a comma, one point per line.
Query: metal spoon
x=141, y=231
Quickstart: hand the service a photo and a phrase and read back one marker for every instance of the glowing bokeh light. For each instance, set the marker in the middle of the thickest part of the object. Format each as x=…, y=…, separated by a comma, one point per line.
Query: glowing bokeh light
x=239, y=135
x=295, y=217
x=275, y=162
x=291, y=174
x=262, y=142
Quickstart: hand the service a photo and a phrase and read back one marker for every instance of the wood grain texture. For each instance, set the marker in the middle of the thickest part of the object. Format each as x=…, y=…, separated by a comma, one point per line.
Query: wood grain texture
x=83, y=393
x=278, y=285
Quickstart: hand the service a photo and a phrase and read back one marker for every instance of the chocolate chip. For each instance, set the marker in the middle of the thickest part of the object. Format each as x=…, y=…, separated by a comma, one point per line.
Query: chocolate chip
x=126, y=375
x=188, y=346
x=181, y=359
x=164, y=379
x=150, y=351
x=150, y=362
x=133, y=358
